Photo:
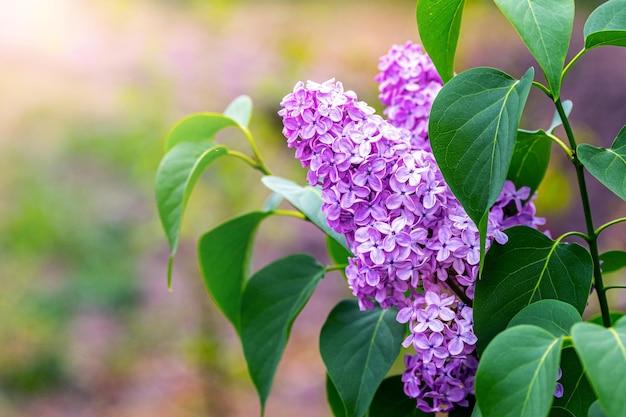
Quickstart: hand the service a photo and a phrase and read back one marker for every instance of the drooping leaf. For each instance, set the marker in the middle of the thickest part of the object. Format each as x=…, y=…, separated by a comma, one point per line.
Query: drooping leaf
x=545, y=26
x=603, y=354
x=271, y=301
x=358, y=348
x=577, y=392
x=607, y=165
x=177, y=174
x=528, y=268
x=595, y=410
x=606, y=25
x=554, y=316
x=439, y=23
x=531, y=155
x=472, y=130
x=391, y=401
x=224, y=254
x=613, y=260
x=334, y=400
x=517, y=373
x=190, y=149
x=240, y=110
x=306, y=199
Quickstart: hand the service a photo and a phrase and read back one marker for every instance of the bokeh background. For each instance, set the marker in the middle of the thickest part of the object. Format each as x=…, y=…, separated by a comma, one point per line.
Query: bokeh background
x=89, y=88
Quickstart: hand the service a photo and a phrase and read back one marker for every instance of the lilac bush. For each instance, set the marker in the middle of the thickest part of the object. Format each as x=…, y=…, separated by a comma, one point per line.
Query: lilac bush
x=428, y=210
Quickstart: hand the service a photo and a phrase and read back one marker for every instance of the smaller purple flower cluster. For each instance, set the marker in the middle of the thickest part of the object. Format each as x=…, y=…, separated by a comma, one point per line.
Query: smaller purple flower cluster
x=408, y=83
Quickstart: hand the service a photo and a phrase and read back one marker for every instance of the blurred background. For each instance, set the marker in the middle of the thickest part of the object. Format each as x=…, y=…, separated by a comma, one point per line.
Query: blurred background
x=88, y=89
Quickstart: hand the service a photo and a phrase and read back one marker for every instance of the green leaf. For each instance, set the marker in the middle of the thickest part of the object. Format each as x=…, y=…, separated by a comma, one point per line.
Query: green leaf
x=517, y=373
x=608, y=165
x=554, y=316
x=391, y=401
x=201, y=127
x=190, y=149
x=603, y=354
x=358, y=348
x=528, y=268
x=472, y=131
x=338, y=254
x=613, y=260
x=271, y=301
x=530, y=159
x=240, y=110
x=606, y=25
x=531, y=155
x=177, y=174
x=334, y=400
x=545, y=26
x=306, y=199
x=577, y=392
x=439, y=23
x=224, y=255
x=595, y=410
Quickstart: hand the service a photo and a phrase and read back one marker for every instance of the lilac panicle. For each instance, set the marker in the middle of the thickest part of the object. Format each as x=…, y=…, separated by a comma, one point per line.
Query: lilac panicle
x=413, y=243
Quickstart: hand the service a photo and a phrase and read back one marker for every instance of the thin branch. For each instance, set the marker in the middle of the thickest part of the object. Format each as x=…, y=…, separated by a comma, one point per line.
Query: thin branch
x=612, y=287
x=289, y=213
x=609, y=224
x=335, y=267
x=459, y=292
x=562, y=144
x=572, y=62
x=544, y=89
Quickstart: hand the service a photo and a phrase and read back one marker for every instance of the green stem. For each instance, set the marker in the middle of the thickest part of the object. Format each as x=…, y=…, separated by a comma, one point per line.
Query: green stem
x=612, y=287
x=591, y=234
x=579, y=234
x=255, y=150
x=544, y=89
x=572, y=62
x=609, y=224
x=289, y=213
x=563, y=146
x=335, y=267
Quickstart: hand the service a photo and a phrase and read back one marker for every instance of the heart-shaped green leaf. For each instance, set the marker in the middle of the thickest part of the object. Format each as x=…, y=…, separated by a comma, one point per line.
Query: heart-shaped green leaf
x=577, y=392
x=606, y=25
x=177, y=174
x=224, y=255
x=306, y=199
x=528, y=268
x=391, y=401
x=334, y=400
x=271, y=301
x=472, y=130
x=545, y=26
x=554, y=316
x=358, y=348
x=613, y=260
x=603, y=354
x=531, y=155
x=608, y=165
x=439, y=23
x=516, y=375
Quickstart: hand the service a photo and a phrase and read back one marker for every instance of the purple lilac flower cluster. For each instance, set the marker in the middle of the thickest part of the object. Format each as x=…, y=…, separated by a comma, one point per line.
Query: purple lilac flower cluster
x=414, y=246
